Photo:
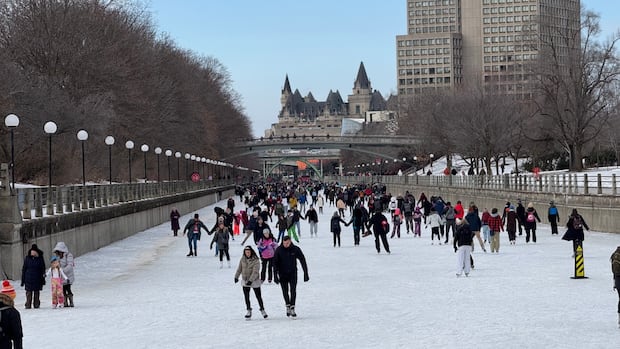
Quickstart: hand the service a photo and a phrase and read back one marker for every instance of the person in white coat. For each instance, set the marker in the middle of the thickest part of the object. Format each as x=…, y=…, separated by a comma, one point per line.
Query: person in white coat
x=434, y=220
x=66, y=263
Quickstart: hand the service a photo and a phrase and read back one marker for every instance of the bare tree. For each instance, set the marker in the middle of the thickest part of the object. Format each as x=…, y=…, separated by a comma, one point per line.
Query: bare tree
x=578, y=80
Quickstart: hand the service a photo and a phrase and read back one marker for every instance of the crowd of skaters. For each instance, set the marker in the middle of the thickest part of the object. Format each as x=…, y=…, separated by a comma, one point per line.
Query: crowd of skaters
x=370, y=210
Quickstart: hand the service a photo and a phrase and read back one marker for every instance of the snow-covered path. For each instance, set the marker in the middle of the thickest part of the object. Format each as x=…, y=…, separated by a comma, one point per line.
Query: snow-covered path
x=143, y=292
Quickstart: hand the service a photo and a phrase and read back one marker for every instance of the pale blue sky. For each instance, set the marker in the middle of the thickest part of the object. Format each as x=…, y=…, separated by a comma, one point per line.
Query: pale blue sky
x=318, y=43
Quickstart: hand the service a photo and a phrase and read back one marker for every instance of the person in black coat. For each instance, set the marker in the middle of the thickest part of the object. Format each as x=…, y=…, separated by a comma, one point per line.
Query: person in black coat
x=33, y=276
x=380, y=228
x=10, y=322
x=575, y=226
x=174, y=221
x=285, y=272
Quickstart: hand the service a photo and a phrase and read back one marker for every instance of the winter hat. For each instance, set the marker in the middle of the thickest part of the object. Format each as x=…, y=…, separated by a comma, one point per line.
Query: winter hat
x=494, y=210
x=8, y=289
x=529, y=205
x=266, y=231
x=459, y=221
x=54, y=258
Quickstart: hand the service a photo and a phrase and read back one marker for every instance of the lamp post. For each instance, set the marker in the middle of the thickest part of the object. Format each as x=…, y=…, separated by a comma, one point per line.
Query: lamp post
x=12, y=121
x=50, y=128
x=129, y=146
x=158, y=152
x=187, y=156
x=145, y=149
x=431, y=156
x=178, y=156
x=193, y=158
x=82, y=135
x=109, y=140
x=415, y=164
x=168, y=155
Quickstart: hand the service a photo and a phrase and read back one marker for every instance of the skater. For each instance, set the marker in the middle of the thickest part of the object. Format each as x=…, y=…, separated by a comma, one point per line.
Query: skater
x=463, y=238
x=57, y=277
x=380, y=228
x=320, y=201
x=10, y=320
x=485, y=225
x=221, y=238
x=66, y=263
x=33, y=276
x=281, y=225
x=285, y=272
x=174, y=221
x=192, y=228
x=511, y=224
x=615, y=268
x=531, y=216
x=248, y=269
x=251, y=226
x=408, y=212
x=397, y=220
x=266, y=248
x=335, y=227
x=495, y=227
x=417, y=219
x=554, y=217
x=520, y=216
x=434, y=221
x=313, y=220
x=358, y=220
x=474, y=222
x=575, y=226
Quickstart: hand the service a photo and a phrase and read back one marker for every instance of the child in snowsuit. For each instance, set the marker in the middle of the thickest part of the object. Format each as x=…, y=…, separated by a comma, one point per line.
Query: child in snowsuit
x=57, y=277
x=417, y=219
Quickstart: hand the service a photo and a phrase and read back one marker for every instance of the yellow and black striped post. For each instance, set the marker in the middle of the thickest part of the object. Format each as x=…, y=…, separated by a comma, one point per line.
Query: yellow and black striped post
x=579, y=264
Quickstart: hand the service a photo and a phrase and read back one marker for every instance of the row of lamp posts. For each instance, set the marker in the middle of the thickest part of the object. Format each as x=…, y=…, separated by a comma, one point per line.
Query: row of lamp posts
x=12, y=121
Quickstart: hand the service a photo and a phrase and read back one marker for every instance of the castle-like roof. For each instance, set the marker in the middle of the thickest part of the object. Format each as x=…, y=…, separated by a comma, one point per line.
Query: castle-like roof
x=287, y=86
x=362, y=79
x=377, y=102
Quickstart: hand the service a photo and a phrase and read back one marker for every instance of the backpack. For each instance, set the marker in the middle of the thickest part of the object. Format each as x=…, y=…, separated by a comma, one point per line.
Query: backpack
x=553, y=211
x=530, y=217
x=577, y=223
x=385, y=225
x=450, y=214
x=615, y=263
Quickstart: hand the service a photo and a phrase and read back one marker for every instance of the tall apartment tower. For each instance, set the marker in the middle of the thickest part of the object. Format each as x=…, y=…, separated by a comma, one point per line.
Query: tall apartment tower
x=492, y=42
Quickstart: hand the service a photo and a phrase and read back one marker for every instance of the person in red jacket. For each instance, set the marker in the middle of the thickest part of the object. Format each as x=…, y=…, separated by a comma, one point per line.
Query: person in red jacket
x=459, y=211
x=495, y=227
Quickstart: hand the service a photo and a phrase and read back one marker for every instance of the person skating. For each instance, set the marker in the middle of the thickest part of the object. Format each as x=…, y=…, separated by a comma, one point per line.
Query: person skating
x=221, y=238
x=380, y=228
x=575, y=226
x=335, y=227
x=554, y=217
x=266, y=249
x=463, y=239
x=66, y=263
x=531, y=216
x=248, y=269
x=193, y=229
x=33, y=276
x=285, y=272
x=495, y=227
x=174, y=221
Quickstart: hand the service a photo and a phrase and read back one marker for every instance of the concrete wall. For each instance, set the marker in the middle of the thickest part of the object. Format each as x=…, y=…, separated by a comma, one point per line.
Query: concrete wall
x=91, y=229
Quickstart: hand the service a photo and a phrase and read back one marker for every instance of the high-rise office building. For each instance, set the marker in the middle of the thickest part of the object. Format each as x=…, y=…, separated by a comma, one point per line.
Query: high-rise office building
x=496, y=43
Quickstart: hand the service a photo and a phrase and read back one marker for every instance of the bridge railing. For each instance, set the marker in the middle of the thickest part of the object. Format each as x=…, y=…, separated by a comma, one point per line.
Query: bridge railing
x=39, y=201
x=570, y=183
x=367, y=139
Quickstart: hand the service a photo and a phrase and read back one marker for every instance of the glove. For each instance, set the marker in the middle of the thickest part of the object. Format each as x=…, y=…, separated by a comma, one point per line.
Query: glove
x=276, y=279
x=306, y=278
x=236, y=280
x=248, y=283
x=22, y=284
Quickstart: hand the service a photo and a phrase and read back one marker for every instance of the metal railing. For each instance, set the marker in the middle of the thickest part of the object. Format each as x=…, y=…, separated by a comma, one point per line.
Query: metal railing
x=570, y=183
x=35, y=202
